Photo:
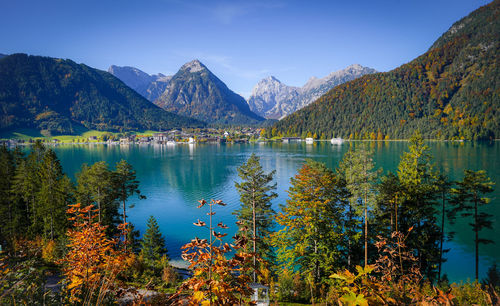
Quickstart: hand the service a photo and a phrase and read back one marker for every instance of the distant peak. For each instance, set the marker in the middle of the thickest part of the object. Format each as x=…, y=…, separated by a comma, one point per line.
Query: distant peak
x=193, y=66
x=271, y=79
x=116, y=69
x=355, y=66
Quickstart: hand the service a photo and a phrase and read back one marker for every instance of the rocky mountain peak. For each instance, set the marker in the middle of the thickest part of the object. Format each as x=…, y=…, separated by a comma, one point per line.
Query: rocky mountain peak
x=149, y=86
x=272, y=99
x=193, y=66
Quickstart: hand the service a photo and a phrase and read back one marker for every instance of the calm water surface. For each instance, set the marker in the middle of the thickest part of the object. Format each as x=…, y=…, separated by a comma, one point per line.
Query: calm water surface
x=174, y=178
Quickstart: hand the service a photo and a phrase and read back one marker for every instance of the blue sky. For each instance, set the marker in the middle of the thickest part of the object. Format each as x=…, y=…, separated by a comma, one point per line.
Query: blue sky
x=240, y=41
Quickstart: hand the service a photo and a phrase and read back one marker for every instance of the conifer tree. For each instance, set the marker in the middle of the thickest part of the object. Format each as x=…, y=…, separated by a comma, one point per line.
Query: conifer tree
x=256, y=213
x=54, y=196
x=419, y=192
x=311, y=237
x=95, y=186
x=468, y=198
x=7, y=211
x=126, y=185
x=443, y=185
x=153, y=243
x=357, y=167
x=28, y=184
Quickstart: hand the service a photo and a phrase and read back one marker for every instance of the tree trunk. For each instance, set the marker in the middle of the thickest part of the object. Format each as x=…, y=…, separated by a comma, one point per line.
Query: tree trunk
x=366, y=236
x=477, y=237
x=210, y=263
x=366, y=227
x=51, y=227
x=442, y=238
x=99, y=203
x=124, y=221
x=349, y=237
x=254, y=238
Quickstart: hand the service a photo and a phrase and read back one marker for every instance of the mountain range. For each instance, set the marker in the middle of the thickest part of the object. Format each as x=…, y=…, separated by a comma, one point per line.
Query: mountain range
x=194, y=91
x=56, y=96
x=274, y=100
x=150, y=87
x=450, y=92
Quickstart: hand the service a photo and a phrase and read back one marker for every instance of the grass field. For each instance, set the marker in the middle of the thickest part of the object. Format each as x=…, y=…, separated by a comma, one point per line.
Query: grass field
x=82, y=136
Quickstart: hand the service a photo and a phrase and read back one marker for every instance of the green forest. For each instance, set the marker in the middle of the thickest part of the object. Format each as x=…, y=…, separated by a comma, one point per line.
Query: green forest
x=450, y=92
x=60, y=97
x=349, y=236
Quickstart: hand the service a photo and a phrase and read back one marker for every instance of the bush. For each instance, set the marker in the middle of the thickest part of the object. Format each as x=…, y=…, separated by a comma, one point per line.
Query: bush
x=469, y=294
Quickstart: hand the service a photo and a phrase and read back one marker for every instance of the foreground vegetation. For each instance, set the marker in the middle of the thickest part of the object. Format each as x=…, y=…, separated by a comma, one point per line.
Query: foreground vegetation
x=351, y=235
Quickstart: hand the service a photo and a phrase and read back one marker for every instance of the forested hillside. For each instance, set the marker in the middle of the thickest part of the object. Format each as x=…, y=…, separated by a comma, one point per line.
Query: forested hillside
x=450, y=92
x=56, y=96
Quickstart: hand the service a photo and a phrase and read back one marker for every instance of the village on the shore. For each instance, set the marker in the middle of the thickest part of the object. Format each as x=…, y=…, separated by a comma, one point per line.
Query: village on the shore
x=171, y=137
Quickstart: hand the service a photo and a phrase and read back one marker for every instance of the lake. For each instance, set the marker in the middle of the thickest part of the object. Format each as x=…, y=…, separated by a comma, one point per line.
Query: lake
x=174, y=178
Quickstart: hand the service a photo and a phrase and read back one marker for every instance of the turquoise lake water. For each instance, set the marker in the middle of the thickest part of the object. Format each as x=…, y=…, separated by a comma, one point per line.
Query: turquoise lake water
x=174, y=178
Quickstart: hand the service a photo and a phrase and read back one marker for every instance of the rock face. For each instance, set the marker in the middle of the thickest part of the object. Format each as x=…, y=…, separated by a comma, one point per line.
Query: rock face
x=196, y=92
x=274, y=100
x=149, y=86
x=56, y=96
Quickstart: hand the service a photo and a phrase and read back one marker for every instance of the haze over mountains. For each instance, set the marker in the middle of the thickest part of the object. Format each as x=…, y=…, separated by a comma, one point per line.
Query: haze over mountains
x=450, y=92
x=150, y=87
x=274, y=100
x=56, y=96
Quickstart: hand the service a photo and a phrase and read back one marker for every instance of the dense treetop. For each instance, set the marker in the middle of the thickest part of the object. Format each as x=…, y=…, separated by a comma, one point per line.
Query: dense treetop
x=449, y=92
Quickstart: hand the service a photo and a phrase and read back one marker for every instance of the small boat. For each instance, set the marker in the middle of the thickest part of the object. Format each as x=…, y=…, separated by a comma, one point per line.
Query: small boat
x=309, y=140
x=170, y=143
x=337, y=141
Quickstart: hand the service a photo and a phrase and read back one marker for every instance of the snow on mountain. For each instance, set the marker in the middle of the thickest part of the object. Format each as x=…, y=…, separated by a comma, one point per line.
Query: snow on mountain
x=274, y=100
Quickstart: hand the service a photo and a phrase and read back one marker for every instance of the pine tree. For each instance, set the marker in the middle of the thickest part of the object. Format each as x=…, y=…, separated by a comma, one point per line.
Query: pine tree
x=126, y=185
x=7, y=211
x=419, y=193
x=444, y=186
x=311, y=237
x=256, y=193
x=153, y=243
x=387, y=204
x=27, y=183
x=95, y=186
x=357, y=168
x=53, y=197
x=468, y=198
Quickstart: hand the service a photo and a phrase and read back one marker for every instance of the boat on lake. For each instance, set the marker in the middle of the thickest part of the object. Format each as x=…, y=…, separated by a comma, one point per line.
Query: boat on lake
x=337, y=141
x=309, y=140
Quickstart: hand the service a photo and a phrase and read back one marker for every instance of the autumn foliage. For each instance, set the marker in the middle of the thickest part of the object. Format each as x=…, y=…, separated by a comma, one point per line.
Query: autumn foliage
x=93, y=260
x=216, y=279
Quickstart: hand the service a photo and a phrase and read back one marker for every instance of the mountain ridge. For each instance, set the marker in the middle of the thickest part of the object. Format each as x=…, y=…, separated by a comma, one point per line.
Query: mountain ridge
x=149, y=86
x=275, y=101
x=194, y=91
x=55, y=96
